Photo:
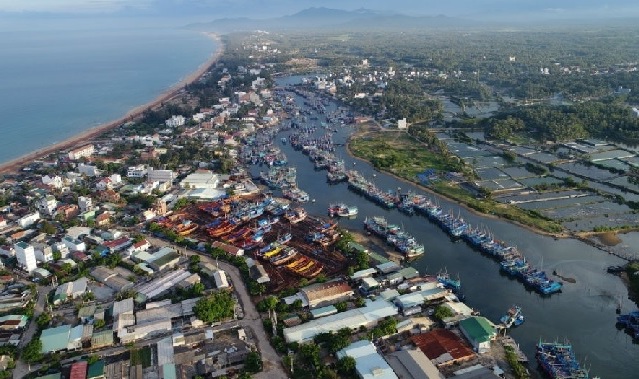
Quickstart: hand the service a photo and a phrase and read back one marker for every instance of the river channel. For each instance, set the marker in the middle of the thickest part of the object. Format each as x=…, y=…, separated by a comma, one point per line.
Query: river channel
x=583, y=313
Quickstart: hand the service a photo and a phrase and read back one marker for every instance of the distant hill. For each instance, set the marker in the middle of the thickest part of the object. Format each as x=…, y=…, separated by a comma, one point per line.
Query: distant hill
x=325, y=18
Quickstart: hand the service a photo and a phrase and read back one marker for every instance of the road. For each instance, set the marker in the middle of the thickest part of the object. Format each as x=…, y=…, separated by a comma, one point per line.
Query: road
x=22, y=369
x=273, y=368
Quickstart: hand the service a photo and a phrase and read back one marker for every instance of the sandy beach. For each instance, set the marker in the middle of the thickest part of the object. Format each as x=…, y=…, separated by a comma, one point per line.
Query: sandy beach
x=86, y=136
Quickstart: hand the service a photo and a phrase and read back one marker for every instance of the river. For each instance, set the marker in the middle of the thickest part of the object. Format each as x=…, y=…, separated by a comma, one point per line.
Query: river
x=584, y=313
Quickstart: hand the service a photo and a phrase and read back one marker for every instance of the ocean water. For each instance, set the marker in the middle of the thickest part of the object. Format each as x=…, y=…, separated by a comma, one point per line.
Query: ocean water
x=59, y=78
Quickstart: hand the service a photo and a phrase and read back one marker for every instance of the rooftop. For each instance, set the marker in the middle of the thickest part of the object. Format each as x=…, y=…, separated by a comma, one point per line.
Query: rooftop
x=55, y=339
x=442, y=346
x=368, y=363
x=478, y=328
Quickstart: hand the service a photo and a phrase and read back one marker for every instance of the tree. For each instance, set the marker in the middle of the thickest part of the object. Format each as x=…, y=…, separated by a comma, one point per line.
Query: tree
x=442, y=312
x=253, y=362
x=346, y=366
x=215, y=307
x=48, y=228
x=43, y=320
x=99, y=323
x=342, y=306
x=197, y=289
x=32, y=353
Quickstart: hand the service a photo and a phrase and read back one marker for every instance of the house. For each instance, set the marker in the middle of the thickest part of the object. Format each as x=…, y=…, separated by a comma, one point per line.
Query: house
x=70, y=290
x=109, y=196
x=52, y=181
x=74, y=244
x=229, y=249
x=68, y=211
x=138, y=171
x=85, y=203
x=55, y=339
x=103, y=219
x=160, y=175
x=479, y=332
x=175, y=121
x=29, y=219
x=88, y=170
x=104, y=184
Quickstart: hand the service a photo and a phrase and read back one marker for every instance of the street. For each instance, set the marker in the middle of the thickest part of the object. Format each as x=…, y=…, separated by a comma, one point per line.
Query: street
x=22, y=369
x=273, y=368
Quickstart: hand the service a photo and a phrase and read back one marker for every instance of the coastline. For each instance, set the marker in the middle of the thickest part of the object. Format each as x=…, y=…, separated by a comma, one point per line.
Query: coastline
x=84, y=137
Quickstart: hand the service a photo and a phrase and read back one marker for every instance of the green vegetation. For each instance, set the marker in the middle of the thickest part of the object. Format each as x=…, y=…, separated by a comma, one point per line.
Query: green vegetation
x=253, y=362
x=346, y=367
x=215, y=307
x=385, y=327
x=442, y=312
x=519, y=369
x=32, y=353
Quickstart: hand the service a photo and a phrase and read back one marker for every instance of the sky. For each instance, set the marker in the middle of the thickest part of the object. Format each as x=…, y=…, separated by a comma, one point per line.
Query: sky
x=271, y=8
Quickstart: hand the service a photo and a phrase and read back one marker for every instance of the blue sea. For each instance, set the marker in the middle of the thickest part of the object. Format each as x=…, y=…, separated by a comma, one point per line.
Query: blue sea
x=61, y=77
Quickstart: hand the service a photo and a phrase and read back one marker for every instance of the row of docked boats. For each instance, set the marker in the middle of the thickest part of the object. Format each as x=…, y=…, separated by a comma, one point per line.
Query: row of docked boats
x=558, y=361
x=394, y=236
x=512, y=262
x=357, y=183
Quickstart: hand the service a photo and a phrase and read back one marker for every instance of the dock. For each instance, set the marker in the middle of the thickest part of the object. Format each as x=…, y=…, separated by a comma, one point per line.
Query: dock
x=509, y=341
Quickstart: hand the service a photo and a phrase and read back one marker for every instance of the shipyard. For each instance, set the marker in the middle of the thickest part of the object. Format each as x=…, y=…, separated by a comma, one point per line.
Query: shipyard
x=263, y=223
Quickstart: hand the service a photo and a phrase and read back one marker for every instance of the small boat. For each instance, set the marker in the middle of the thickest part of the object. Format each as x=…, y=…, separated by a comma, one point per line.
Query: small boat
x=513, y=317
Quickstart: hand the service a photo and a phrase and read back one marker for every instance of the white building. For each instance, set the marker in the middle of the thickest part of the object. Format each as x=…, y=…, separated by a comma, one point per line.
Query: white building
x=47, y=205
x=138, y=171
x=88, y=170
x=354, y=318
x=52, y=181
x=401, y=124
x=160, y=175
x=369, y=364
x=175, y=121
x=29, y=219
x=85, y=203
x=25, y=254
x=220, y=279
x=43, y=253
x=74, y=244
x=83, y=151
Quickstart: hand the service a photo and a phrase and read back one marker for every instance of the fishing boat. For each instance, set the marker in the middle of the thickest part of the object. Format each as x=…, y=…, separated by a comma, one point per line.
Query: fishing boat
x=513, y=317
x=342, y=210
x=558, y=361
x=445, y=279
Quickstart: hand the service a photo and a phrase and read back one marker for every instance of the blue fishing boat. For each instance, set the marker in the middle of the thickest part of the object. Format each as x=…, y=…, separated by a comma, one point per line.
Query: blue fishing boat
x=558, y=361
x=513, y=317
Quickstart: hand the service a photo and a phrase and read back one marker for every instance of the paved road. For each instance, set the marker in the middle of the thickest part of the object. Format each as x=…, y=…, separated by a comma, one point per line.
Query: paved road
x=273, y=368
x=22, y=369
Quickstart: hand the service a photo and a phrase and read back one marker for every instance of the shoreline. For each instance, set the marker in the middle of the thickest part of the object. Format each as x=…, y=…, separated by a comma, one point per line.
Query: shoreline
x=16, y=164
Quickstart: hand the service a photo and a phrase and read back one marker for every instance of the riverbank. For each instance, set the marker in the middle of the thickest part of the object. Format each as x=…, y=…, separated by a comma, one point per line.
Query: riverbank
x=364, y=130
x=16, y=164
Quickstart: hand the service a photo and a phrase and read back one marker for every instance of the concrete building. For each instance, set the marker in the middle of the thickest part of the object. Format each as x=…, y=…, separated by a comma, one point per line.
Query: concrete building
x=47, y=205
x=220, y=279
x=80, y=152
x=138, y=171
x=28, y=220
x=175, y=121
x=55, y=339
x=136, y=332
x=70, y=290
x=401, y=124
x=369, y=364
x=74, y=244
x=85, y=203
x=25, y=254
x=160, y=176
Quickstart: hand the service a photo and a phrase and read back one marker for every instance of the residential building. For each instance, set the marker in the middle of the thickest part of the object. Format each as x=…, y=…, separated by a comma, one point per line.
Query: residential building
x=88, y=170
x=43, y=252
x=25, y=254
x=175, y=121
x=28, y=220
x=149, y=329
x=138, y=171
x=413, y=364
x=85, y=203
x=55, y=339
x=401, y=124
x=70, y=290
x=80, y=152
x=74, y=244
x=47, y=205
x=52, y=181
x=322, y=294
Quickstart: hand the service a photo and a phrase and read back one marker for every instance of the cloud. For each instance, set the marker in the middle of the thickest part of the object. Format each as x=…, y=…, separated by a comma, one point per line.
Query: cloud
x=72, y=6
